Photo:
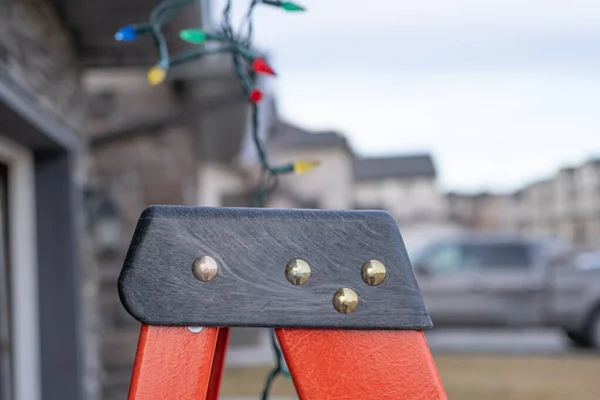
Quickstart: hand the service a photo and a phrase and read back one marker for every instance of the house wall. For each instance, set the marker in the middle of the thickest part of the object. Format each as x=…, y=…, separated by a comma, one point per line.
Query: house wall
x=137, y=171
x=560, y=205
x=509, y=213
x=485, y=211
x=122, y=98
x=168, y=144
x=587, y=213
x=461, y=209
x=219, y=184
x=37, y=52
x=566, y=206
x=38, y=59
x=328, y=186
x=408, y=200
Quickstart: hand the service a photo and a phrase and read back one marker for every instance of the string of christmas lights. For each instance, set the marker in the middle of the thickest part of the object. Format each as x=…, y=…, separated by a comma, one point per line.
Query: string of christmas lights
x=247, y=64
x=245, y=59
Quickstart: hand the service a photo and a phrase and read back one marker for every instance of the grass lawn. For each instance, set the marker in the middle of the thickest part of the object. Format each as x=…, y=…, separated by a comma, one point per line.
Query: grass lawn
x=474, y=377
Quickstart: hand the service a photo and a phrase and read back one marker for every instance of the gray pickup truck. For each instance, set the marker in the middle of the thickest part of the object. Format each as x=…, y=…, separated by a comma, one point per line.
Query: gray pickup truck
x=487, y=281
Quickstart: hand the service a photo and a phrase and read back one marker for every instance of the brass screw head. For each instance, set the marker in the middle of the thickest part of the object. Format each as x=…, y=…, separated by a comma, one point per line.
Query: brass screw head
x=297, y=271
x=373, y=272
x=345, y=301
x=204, y=268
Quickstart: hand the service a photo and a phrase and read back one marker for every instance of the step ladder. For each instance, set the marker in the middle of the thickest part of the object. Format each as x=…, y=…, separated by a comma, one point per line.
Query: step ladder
x=337, y=287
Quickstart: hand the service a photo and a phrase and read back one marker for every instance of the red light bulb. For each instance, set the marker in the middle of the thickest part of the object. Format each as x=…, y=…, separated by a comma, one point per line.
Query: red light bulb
x=255, y=96
x=261, y=66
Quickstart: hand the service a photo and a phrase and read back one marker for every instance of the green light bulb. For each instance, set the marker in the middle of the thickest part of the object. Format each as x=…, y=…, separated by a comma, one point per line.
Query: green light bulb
x=195, y=36
x=289, y=6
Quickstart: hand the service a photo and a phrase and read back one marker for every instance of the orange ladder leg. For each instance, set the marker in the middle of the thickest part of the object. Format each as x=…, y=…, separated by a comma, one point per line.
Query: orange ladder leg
x=365, y=365
x=216, y=375
x=174, y=363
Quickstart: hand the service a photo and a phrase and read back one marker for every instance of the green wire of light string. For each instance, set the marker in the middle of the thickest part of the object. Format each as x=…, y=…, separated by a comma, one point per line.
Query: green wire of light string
x=234, y=46
x=156, y=25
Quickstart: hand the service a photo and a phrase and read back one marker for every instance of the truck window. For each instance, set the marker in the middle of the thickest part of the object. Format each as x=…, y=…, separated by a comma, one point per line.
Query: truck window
x=500, y=255
x=444, y=258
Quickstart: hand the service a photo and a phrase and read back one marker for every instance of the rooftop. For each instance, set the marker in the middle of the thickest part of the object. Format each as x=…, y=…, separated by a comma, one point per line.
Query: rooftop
x=287, y=136
x=412, y=166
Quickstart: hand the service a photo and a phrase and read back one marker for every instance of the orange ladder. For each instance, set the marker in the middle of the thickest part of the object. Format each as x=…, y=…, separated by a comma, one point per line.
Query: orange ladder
x=176, y=363
x=375, y=350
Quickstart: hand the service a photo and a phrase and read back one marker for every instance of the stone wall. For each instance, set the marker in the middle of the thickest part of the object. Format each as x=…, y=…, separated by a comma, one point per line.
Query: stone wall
x=37, y=52
x=38, y=55
x=137, y=171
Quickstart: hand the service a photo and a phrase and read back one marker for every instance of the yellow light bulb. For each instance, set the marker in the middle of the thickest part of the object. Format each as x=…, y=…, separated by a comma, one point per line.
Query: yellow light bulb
x=301, y=167
x=156, y=75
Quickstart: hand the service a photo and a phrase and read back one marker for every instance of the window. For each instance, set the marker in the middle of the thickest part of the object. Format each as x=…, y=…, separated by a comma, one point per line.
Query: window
x=504, y=255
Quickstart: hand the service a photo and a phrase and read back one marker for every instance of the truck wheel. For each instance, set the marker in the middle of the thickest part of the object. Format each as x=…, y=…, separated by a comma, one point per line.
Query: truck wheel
x=578, y=339
x=593, y=331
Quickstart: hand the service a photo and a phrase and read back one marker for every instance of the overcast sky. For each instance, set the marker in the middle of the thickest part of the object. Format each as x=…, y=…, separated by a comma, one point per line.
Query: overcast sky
x=501, y=92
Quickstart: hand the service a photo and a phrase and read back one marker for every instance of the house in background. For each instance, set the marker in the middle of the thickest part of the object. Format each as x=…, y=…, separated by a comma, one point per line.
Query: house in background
x=484, y=211
x=564, y=206
x=406, y=186
x=327, y=186
x=587, y=211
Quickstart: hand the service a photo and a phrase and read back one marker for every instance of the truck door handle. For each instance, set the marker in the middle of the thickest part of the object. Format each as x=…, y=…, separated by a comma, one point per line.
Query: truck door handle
x=536, y=287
